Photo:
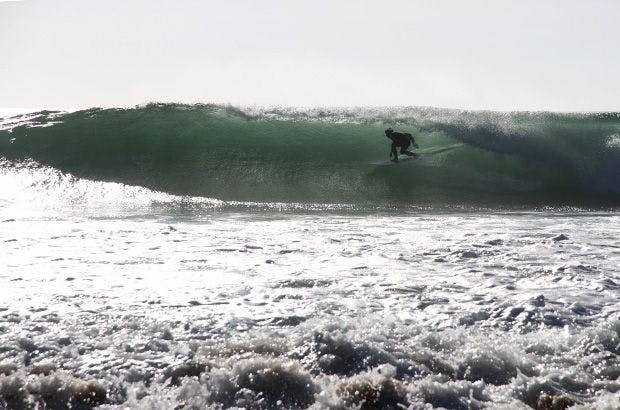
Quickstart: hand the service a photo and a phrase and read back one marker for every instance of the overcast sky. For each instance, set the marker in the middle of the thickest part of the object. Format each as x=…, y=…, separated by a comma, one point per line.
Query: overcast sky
x=559, y=55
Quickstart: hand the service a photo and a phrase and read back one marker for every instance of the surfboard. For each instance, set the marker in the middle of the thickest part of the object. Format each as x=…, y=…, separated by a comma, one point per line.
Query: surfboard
x=401, y=160
x=427, y=153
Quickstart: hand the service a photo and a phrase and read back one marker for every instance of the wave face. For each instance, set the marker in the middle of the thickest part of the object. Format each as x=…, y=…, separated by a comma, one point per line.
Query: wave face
x=331, y=155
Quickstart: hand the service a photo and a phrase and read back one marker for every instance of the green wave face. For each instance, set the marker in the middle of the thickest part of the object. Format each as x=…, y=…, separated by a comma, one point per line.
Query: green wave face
x=333, y=156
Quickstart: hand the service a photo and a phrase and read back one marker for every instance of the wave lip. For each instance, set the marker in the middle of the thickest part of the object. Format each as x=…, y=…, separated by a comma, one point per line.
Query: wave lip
x=330, y=156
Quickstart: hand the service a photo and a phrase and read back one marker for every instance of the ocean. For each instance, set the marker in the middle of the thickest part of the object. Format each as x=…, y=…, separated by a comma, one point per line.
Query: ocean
x=175, y=256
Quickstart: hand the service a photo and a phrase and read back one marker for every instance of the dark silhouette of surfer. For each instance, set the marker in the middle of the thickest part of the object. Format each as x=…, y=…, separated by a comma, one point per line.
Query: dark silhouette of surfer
x=402, y=140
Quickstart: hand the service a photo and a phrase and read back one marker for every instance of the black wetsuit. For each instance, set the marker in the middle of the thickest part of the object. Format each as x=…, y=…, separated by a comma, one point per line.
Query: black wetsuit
x=402, y=140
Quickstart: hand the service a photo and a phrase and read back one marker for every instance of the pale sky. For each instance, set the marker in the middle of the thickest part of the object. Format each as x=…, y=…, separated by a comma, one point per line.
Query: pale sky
x=559, y=55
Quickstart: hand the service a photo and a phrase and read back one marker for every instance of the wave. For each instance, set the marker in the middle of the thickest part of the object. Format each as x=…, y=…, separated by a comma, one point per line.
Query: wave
x=330, y=155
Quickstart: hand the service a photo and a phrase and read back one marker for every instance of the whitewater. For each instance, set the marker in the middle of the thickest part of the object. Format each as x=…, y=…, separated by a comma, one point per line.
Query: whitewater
x=204, y=256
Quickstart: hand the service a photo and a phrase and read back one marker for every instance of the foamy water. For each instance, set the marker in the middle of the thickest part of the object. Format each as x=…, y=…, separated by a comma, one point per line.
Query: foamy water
x=259, y=310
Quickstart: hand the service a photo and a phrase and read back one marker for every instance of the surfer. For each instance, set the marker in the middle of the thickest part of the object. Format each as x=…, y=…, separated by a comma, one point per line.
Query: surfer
x=402, y=140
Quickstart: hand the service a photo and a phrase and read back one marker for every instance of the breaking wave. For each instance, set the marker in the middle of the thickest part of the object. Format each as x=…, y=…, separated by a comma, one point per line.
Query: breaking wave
x=329, y=156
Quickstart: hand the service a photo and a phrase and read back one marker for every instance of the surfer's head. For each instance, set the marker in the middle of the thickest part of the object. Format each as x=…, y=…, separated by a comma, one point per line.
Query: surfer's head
x=389, y=131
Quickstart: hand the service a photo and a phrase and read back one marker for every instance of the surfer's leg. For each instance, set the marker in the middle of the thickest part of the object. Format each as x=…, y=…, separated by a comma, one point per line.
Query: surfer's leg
x=404, y=150
x=393, y=153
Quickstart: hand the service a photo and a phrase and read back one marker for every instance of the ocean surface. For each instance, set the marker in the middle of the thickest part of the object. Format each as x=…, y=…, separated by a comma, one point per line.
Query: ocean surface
x=201, y=256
